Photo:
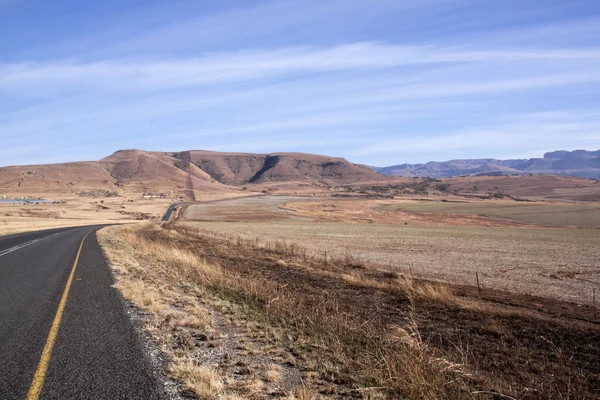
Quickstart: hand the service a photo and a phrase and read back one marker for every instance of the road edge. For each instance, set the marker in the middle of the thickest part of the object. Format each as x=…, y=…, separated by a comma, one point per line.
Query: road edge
x=152, y=351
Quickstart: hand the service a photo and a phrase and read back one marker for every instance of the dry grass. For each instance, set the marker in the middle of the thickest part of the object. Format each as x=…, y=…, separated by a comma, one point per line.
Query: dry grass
x=532, y=187
x=77, y=211
x=341, y=348
x=162, y=279
x=392, y=212
x=140, y=267
x=535, y=213
x=359, y=332
x=426, y=291
x=555, y=263
x=304, y=394
x=273, y=374
x=354, y=351
x=332, y=314
x=204, y=381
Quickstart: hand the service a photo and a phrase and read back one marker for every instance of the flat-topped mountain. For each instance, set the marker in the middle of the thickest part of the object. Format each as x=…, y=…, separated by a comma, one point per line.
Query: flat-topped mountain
x=244, y=168
x=139, y=170
x=580, y=163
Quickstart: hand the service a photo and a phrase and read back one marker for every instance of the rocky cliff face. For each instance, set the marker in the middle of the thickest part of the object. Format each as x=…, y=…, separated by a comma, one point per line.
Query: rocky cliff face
x=244, y=168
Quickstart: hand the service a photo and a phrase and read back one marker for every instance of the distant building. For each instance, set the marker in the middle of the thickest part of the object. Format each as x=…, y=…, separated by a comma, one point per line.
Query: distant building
x=154, y=196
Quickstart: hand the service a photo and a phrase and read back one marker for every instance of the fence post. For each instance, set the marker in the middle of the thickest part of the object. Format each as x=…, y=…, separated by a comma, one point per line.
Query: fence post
x=594, y=300
x=478, y=286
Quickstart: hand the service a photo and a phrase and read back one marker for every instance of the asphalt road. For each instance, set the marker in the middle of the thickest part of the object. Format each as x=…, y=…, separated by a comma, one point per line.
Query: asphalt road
x=92, y=351
x=167, y=215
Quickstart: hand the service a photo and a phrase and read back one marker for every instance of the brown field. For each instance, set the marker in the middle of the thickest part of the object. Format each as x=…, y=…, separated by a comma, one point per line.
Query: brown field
x=75, y=211
x=536, y=187
x=556, y=263
x=391, y=212
x=546, y=214
x=254, y=208
x=274, y=321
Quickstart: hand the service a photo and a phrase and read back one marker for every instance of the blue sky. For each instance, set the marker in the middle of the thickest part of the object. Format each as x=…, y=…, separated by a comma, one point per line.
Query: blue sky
x=379, y=82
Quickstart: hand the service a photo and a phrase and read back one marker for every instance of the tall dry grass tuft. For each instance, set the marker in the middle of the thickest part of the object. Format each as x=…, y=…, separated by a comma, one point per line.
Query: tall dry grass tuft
x=419, y=363
x=305, y=393
x=204, y=381
x=425, y=291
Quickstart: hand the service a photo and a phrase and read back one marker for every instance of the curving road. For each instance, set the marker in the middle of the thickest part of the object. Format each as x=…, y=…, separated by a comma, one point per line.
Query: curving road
x=64, y=331
x=170, y=210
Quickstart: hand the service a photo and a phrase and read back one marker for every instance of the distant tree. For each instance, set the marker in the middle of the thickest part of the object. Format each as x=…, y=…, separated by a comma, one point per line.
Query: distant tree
x=442, y=187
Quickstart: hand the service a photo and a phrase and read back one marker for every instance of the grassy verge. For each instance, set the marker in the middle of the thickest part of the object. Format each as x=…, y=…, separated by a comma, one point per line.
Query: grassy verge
x=345, y=330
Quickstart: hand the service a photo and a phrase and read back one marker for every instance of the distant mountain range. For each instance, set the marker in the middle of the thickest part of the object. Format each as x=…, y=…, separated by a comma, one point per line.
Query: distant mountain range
x=198, y=174
x=580, y=163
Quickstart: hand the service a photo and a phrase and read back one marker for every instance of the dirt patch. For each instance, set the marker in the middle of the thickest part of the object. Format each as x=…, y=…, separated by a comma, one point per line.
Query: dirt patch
x=251, y=208
x=391, y=212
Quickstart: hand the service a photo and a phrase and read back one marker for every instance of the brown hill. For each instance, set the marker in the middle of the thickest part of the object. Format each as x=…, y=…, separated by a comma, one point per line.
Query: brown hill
x=152, y=171
x=191, y=171
x=247, y=168
x=126, y=170
x=66, y=178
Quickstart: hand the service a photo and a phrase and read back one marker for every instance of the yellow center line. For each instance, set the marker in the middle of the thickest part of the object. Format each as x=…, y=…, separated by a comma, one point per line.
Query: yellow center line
x=40, y=374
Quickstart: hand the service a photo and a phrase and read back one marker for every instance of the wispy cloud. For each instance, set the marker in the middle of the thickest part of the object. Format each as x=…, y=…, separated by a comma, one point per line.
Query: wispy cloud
x=539, y=132
x=430, y=79
x=50, y=78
